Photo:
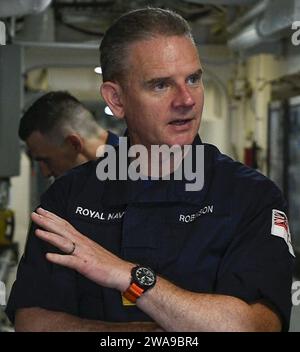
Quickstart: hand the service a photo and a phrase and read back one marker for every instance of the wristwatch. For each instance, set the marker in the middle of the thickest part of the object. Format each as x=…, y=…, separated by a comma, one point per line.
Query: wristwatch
x=142, y=279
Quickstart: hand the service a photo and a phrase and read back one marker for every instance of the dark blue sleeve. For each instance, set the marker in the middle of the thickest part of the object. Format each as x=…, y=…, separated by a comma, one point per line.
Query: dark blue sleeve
x=258, y=265
x=40, y=283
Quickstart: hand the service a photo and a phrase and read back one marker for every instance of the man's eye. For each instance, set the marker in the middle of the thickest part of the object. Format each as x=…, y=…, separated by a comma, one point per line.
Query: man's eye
x=194, y=79
x=160, y=86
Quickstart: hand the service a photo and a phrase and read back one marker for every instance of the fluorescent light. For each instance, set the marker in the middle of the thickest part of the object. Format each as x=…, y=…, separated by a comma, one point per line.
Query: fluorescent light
x=108, y=111
x=98, y=70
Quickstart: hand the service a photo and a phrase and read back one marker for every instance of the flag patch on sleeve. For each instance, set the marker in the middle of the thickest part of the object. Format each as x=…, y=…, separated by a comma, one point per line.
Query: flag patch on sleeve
x=280, y=228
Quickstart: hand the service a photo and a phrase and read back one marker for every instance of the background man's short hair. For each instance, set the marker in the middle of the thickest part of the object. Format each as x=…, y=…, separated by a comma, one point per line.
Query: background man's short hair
x=57, y=112
x=141, y=24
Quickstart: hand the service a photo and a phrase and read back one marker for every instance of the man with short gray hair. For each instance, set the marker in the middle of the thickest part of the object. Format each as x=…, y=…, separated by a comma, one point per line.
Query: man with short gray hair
x=147, y=254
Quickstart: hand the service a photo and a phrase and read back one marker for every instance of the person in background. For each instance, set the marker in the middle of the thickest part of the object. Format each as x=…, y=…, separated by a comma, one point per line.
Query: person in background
x=61, y=133
x=148, y=254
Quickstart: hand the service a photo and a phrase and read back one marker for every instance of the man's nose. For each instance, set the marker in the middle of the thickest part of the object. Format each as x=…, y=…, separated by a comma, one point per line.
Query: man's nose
x=183, y=98
x=46, y=172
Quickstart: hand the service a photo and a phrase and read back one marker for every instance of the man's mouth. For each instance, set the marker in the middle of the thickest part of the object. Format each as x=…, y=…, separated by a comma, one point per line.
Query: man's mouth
x=180, y=122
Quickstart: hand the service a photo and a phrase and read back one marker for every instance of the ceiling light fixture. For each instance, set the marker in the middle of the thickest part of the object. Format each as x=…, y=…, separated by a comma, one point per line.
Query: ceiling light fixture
x=98, y=70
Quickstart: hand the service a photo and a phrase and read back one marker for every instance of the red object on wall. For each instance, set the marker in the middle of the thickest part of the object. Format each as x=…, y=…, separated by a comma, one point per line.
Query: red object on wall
x=249, y=156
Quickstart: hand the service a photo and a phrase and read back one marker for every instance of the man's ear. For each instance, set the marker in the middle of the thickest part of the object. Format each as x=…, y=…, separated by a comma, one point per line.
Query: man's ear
x=112, y=94
x=75, y=142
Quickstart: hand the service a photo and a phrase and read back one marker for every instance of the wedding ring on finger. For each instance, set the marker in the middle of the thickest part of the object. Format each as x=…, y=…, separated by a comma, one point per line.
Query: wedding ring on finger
x=72, y=250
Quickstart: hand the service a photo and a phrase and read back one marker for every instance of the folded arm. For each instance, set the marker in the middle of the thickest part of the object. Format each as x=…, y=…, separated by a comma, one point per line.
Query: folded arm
x=175, y=309
x=39, y=319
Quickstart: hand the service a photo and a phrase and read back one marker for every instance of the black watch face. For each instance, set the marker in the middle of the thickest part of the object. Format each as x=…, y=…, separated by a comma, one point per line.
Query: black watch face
x=145, y=277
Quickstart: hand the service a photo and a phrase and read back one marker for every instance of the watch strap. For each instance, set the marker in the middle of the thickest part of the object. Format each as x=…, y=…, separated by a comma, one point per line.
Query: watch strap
x=133, y=292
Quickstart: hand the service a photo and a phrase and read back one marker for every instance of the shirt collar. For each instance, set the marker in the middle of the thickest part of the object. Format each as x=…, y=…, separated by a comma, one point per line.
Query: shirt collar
x=120, y=192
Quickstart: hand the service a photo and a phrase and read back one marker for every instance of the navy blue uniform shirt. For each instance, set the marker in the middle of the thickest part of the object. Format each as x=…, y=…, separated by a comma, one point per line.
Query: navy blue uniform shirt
x=112, y=139
x=217, y=240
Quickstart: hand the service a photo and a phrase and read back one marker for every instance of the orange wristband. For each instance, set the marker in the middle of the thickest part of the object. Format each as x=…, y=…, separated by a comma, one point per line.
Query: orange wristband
x=133, y=293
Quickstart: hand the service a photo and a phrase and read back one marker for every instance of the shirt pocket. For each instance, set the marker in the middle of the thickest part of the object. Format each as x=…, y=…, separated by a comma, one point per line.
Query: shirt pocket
x=104, y=226
x=141, y=227
x=192, y=246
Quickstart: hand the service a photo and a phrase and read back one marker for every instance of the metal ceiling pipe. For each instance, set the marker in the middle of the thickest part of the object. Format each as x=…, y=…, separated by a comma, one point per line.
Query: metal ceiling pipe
x=254, y=12
x=9, y=8
x=246, y=38
x=277, y=17
x=38, y=27
x=268, y=27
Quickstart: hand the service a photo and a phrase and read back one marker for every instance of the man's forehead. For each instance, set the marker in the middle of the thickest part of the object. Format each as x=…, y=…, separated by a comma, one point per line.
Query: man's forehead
x=38, y=145
x=163, y=40
x=163, y=57
x=37, y=138
x=163, y=50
